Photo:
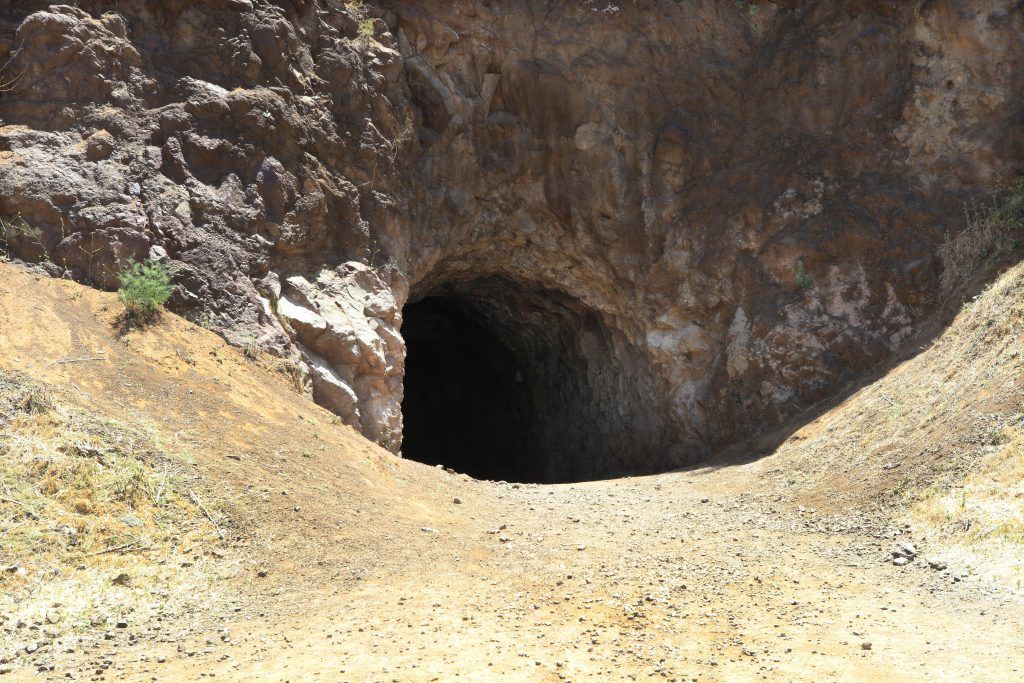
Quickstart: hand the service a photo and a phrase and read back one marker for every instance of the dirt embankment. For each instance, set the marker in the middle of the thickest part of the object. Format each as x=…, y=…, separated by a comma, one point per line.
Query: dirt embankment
x=282, y=545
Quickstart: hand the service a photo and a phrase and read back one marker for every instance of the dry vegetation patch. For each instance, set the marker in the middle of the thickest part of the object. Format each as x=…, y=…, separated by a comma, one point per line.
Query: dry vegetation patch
x=995, y=227
x=935, y=444
x=980, y=519
x=101, y=527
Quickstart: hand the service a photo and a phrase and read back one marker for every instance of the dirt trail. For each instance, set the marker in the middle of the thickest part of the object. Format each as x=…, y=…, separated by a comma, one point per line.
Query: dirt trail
x=353, y=565
x=649, y=583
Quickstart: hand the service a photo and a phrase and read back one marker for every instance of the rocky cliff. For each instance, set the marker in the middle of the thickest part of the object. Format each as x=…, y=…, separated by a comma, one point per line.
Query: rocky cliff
x=684, y=221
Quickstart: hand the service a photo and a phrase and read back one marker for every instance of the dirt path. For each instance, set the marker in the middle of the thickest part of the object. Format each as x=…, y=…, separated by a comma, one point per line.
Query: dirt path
x=348, y=564
x=623, y=579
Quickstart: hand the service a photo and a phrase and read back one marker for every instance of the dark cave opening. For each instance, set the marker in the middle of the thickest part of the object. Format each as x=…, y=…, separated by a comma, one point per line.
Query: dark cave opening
x=466, y=405
x=506, y=380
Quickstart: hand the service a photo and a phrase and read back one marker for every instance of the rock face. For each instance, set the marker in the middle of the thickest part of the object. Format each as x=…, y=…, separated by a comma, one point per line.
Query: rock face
x=688, y=220
x=346, y=323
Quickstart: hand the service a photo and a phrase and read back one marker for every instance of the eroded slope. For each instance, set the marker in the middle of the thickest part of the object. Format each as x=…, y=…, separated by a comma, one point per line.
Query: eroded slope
x=345, y=562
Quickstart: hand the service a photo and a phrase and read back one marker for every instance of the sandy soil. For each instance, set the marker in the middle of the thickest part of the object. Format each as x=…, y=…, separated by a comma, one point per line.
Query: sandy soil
x=349, y=564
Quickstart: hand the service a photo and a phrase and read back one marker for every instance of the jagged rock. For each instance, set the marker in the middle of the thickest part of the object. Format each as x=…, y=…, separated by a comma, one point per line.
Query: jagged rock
x=332, y=392
x=904, y=551
x=346, y=322
x=707, y=238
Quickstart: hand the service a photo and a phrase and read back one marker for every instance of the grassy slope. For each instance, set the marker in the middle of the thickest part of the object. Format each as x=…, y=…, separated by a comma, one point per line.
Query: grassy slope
x=936, y=442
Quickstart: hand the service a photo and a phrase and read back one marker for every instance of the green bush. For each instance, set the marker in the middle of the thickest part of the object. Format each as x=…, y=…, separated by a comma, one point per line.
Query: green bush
x=366, y=31
x=802, y=279
x=145, y=288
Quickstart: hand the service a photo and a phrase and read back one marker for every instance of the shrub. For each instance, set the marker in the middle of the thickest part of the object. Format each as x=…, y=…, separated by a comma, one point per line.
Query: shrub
x=366, y=31
x=252, y=349
x=802, y=279
x=145, y=288
x=365, y=23
x=994, y=228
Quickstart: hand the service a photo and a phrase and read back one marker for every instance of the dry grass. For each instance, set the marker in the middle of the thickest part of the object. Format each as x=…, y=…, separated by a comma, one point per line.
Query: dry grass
x=938, y=442
x=980, y=520
x=96, y=520
x=994, y=230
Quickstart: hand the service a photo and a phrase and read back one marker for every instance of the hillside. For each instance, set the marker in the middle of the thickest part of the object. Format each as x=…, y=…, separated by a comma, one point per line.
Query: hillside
x=258, y=530
x=404, y=340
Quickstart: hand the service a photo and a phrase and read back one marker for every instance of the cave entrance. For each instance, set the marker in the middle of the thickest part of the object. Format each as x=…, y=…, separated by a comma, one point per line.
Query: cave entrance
x=509, y=380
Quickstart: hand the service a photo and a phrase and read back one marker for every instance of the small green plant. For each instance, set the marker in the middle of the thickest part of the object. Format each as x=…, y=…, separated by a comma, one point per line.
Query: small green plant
x=366, y=31
x=366, y=28
x=802, y=279
x=997, y=436
x=252, y=349
x=204, y=320
x=145, y=288
x=17, y=228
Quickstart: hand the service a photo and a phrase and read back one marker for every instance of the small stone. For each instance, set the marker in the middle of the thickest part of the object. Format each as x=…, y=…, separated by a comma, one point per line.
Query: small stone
x=131, y=520
x=937, y=565
x=705, y=500
x=99, y=145
x=900, y=561
x=457, y=501
x=161, y=659
x=865, y=645
x=121, y=579
x=121, y=624
x=904, y=549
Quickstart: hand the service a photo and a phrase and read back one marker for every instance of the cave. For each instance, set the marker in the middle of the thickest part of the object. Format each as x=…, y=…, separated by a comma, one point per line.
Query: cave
x=509, y=380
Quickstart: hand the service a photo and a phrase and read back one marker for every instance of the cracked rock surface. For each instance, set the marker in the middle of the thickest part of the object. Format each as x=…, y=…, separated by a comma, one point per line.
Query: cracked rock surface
x=743, y=204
